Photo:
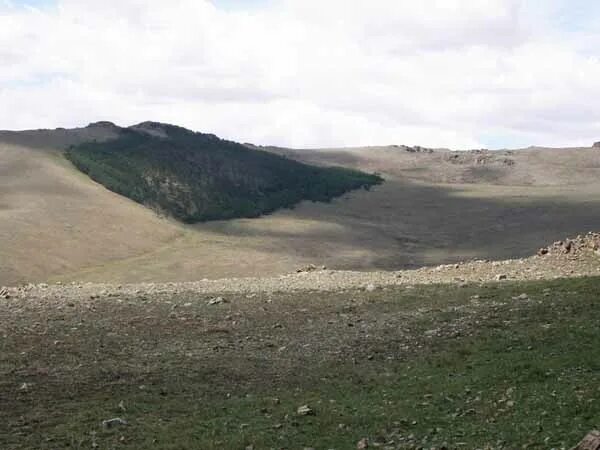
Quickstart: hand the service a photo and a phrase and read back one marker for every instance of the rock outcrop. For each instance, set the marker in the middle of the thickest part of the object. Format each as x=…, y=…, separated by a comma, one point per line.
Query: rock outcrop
x=589, y=242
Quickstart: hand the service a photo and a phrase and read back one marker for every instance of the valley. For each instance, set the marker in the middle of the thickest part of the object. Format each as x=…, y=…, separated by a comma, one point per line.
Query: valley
x=430, y=210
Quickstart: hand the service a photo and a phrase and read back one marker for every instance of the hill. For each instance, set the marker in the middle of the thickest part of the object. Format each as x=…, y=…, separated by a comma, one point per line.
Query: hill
x=532, y=166
x=54, y=220
x=60, y=138
x=435, y=207
x=196, y=177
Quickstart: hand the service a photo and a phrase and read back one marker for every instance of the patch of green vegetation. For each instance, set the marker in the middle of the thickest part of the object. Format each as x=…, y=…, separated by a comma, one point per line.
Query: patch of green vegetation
x=197, y=177
x=423, y=368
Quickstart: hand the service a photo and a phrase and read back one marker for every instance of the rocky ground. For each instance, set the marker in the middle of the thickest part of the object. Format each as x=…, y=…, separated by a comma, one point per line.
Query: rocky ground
x=502, y=365
x=489, y=355
x=570, y=258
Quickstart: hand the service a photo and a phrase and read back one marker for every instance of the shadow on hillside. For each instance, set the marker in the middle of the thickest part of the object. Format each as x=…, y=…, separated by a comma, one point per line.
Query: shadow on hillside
x=402, y=225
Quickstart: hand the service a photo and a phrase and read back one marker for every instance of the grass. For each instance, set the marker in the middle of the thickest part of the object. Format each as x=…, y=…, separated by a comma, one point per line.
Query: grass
x=432, y=366
x=395, y=225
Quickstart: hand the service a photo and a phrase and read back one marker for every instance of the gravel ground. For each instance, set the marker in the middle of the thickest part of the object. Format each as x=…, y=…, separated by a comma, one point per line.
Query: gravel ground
x=578, y=257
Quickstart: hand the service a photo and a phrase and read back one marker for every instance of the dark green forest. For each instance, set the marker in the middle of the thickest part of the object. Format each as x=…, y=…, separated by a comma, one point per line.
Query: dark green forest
x=197, y=177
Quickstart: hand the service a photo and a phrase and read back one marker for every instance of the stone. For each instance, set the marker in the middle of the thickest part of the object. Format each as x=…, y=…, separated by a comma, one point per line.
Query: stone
x=362, y=444
x=216, y=301
x=501, y=277
x=568, y=246
x=110, y=423
x=590, y=442
x=310, y=268
x=305, y=410
x=370, y=288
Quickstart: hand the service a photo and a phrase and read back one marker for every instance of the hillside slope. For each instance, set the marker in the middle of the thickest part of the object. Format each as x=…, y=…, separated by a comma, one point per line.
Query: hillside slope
x=57, y=224
x=196, y=177
x=54, y=220
x=533, y=166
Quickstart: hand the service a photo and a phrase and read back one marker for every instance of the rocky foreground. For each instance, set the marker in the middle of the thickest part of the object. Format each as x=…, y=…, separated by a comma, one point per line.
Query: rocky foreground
x=570, y=258
x=317, y=359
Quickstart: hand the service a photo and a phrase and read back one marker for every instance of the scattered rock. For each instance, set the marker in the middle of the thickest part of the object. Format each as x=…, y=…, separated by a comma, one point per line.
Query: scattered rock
x=575, y=257
x=572, y=246
x=110, y=423
x=521, y=297
x=305, y=410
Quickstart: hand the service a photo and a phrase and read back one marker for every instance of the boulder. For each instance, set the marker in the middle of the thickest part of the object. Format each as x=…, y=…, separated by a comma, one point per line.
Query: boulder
x=590, y=442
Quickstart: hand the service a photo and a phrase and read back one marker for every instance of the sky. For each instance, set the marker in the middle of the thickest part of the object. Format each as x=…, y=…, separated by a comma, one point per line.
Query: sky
x=310, y=73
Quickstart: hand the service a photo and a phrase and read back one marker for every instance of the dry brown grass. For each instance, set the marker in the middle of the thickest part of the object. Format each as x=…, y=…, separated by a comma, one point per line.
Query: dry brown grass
x=54, y=220
x=57, y=224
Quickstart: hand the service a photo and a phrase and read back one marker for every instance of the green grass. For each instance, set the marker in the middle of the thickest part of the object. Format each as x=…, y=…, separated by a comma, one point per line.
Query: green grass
x=426, y=367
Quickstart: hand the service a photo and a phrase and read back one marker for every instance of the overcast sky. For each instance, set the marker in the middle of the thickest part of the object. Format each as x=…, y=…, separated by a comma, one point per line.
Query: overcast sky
x=310, y=73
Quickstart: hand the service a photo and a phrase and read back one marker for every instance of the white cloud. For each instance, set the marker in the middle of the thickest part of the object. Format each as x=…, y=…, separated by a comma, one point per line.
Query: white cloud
x=457, y=73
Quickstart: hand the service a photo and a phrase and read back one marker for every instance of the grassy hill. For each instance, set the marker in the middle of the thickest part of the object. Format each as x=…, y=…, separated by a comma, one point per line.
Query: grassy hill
x=432, y=209
x=196, y=177
x=49, y=210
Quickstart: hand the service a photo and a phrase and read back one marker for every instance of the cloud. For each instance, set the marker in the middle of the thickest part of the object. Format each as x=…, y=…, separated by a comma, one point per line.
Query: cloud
x=303, y=73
